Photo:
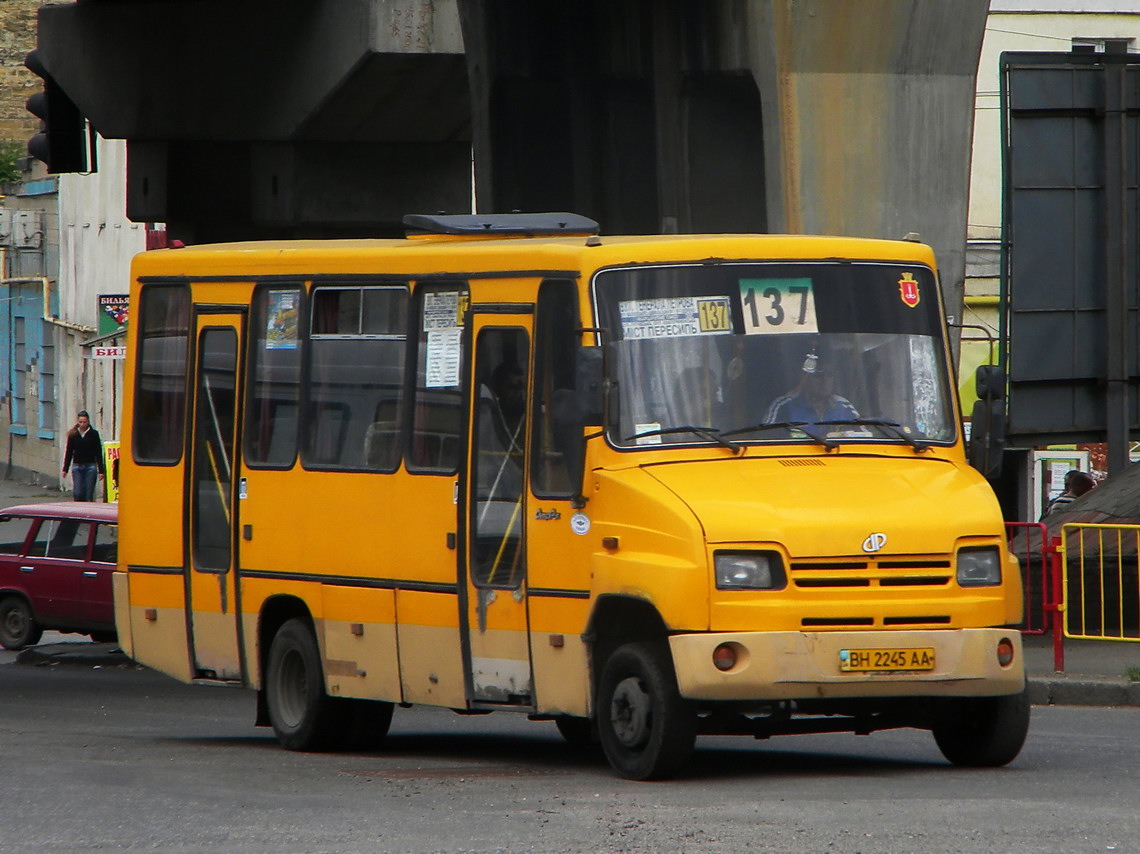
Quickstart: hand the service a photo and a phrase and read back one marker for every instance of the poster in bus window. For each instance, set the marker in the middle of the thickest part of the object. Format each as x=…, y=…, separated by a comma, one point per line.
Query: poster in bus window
x=281, y=320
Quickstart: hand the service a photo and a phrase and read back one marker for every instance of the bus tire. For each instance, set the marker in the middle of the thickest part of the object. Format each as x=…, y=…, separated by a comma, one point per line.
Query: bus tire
x=303, y=716
x=18, y=627
x=984, y=732
x=579, y=732
x=364, y=723
x=647, y=730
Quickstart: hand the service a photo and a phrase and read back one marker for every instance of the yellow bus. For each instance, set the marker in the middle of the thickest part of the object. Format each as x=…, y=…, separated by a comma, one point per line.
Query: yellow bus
x=647, y=487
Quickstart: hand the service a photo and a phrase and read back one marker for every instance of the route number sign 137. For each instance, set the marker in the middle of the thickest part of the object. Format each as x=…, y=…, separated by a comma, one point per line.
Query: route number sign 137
x=778, y=306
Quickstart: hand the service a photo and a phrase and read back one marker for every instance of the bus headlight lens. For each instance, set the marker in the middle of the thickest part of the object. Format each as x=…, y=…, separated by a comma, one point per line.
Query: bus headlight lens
x=749, y=571
x=979, y=567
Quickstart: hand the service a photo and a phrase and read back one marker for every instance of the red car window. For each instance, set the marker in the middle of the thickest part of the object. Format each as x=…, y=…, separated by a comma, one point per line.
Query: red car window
x=13, y=533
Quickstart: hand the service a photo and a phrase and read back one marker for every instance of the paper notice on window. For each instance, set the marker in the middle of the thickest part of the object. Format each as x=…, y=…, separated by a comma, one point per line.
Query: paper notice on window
x=443, y=328
x=444, y=309
x=444, y=351
x=675, y=317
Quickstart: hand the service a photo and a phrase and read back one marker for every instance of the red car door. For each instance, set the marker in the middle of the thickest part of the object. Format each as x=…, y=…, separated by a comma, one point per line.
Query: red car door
x=14, y=532
x=54, y=562
x=98, y=601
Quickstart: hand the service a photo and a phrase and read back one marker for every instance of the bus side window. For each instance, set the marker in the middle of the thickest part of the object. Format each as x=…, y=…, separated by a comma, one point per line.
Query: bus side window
x=556, y=340
x=275, y=377
x=356, y=377
x=437, y=414
x=160, y=390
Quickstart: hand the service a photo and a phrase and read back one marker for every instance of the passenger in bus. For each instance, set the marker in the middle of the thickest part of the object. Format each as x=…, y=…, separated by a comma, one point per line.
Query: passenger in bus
x=697, y=396
x=814, y=398
x=508, y=387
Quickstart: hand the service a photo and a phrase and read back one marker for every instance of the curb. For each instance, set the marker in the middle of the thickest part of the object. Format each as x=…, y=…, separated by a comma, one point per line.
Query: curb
x=1082, y=691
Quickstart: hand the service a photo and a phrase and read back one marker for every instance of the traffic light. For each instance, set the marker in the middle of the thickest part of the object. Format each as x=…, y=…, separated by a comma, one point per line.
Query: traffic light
x=62, y=142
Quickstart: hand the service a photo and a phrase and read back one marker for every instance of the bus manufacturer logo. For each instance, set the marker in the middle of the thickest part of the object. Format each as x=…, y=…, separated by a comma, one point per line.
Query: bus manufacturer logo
x=874, y=542
x=908, y=290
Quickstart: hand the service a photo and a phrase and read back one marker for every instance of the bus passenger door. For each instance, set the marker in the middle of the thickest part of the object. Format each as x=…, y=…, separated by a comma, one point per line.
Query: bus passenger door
x=212, y=594
x=492, y=511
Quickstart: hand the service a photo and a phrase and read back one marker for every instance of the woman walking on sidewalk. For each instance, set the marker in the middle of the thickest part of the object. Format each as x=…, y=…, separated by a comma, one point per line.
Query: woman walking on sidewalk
x=84, y=457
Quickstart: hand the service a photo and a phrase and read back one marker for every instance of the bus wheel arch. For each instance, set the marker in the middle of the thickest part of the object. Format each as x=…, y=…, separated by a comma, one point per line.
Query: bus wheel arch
x=616, y=620
x=292, y=698
x=646, y=728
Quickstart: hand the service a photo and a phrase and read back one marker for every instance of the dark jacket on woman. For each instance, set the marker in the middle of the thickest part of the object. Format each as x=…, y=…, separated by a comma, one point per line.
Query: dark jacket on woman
x=84, y=449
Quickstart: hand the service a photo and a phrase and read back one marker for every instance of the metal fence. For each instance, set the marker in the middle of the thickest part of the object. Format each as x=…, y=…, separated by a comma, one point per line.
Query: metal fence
x=1030, y=543
x=1101, y=581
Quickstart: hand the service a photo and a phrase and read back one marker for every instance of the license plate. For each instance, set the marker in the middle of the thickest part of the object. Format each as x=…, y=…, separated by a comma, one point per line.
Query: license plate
x=866, y=660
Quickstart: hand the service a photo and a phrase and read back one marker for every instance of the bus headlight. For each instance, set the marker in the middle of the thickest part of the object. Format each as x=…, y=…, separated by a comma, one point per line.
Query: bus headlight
x=749, y=571
x=979, y=567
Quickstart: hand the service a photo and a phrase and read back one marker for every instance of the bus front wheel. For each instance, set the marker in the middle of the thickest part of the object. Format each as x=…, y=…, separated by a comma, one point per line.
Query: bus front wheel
x=647, y=730
x=302, y=714
x=983, y=732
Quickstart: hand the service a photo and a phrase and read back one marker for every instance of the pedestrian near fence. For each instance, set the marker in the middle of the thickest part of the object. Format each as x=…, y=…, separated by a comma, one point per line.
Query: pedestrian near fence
x=84, y=457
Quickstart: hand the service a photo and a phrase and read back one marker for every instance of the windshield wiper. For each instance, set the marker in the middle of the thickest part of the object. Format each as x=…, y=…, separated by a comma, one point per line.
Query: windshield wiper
x=802, y=426
x=710, y=433
x=892, y=427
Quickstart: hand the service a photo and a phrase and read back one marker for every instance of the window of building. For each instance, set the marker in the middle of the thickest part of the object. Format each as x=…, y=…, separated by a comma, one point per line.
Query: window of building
x=19, y=372
x=47, y=384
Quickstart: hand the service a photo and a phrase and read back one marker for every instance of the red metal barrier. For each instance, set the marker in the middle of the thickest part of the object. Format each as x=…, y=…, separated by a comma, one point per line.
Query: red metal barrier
x=1041, y=581
x=1056, y=566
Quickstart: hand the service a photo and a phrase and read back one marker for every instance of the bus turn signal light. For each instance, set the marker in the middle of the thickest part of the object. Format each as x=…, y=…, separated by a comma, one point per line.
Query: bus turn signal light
x=1005, y=652
x=724, y=657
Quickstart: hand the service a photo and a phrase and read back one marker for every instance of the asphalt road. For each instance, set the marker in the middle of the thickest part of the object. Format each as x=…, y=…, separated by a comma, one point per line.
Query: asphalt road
x=120, y=758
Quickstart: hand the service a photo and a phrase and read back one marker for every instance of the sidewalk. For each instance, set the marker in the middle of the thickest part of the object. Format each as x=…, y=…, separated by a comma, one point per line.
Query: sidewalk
x=1094, y=675
x=1094, y=672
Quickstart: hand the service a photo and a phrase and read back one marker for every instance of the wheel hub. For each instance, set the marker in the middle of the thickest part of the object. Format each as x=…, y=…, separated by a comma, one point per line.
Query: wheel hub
x=630, y=712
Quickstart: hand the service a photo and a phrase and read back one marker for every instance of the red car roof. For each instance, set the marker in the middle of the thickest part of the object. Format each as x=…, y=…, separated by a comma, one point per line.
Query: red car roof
x=87, y=511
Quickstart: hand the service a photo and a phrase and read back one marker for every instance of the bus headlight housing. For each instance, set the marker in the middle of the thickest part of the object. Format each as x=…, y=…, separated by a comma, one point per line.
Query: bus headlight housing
x=979, y=567
x=749, y=571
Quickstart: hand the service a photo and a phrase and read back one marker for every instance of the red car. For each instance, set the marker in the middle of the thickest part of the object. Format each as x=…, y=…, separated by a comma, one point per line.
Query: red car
x=56, y=561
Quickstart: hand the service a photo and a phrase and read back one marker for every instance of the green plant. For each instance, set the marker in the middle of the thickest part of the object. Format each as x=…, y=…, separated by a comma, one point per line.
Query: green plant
x=10, y=154
x=1132, y=674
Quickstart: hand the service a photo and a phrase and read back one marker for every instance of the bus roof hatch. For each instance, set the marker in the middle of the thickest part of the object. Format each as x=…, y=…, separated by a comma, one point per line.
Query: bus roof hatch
x=534, y=224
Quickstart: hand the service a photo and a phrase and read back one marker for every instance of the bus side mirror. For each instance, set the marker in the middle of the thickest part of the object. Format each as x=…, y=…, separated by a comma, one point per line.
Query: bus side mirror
x=589, y=375
x=987, y=421
x=573, y=410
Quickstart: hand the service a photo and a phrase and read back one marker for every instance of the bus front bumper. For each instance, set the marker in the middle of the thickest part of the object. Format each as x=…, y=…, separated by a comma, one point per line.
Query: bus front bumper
x=801, y=665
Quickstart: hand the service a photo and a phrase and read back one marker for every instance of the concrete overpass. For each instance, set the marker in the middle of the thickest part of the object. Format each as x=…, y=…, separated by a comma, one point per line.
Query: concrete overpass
x=337, y=117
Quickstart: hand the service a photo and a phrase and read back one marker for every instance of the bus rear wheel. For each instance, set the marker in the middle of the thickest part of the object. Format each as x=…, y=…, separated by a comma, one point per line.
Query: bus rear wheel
x=647, y=730
x=302, y=714
x=983, y=732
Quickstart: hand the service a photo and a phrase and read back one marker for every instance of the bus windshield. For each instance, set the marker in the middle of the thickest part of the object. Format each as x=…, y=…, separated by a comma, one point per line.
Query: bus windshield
x=731, y=353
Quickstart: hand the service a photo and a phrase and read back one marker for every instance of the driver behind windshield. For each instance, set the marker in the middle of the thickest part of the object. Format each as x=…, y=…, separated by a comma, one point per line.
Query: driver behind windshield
x=813, y=399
